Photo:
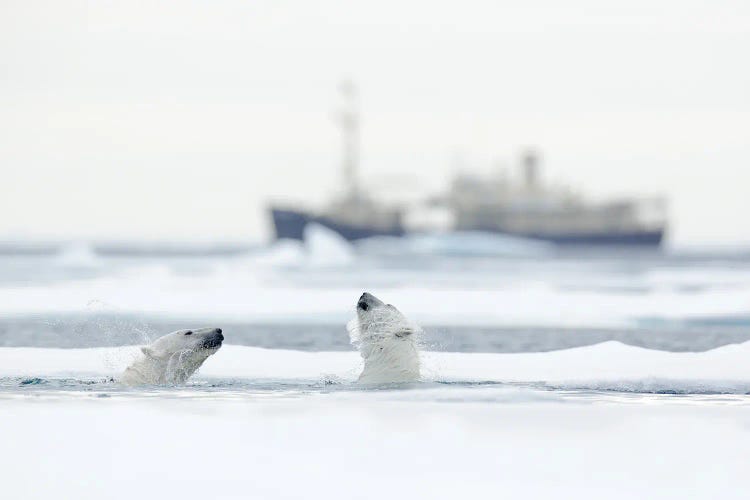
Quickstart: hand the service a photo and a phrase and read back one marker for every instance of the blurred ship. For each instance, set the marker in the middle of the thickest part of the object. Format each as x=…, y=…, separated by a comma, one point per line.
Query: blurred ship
x=526, y=208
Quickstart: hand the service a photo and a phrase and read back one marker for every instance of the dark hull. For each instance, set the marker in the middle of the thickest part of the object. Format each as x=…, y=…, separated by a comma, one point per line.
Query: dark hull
x=635, y=238
x=291, y=224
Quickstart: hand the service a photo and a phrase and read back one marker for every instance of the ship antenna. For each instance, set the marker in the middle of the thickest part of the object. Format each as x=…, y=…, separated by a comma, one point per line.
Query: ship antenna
x=349, y=120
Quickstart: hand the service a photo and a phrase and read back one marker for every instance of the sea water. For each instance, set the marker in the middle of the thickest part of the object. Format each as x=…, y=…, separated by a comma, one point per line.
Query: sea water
x=607, y=374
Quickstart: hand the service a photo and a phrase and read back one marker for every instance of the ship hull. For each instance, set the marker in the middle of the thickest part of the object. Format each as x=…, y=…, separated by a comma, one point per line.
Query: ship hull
x=644, y=238
x=290, y=224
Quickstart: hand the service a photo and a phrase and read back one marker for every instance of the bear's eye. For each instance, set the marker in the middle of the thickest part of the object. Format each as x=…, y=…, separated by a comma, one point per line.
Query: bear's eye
x=188, y=332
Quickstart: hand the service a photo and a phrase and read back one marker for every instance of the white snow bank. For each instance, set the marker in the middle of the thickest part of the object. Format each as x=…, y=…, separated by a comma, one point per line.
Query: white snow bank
x=234, y=294
x=606, y=366
x=466, y=243
x=78, y=255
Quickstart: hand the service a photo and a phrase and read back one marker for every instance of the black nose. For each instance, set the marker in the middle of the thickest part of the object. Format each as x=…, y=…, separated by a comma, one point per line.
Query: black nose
x=219, y=335
x=218, y=330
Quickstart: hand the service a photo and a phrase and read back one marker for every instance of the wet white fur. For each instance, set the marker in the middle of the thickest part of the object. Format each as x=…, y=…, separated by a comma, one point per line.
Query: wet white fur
x=170, y=359
x=387, y=342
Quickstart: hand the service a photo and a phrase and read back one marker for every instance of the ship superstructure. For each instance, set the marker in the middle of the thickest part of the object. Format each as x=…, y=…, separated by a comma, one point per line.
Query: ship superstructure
x=533, y=209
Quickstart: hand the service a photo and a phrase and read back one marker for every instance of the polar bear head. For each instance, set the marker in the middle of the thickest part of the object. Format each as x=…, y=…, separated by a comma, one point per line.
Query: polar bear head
x=173, y=358
x=201, y=342
x=377, y=319
x=387, y=342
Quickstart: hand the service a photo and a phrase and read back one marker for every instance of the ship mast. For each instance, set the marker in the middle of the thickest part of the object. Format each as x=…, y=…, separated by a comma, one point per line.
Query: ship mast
x=349, y=121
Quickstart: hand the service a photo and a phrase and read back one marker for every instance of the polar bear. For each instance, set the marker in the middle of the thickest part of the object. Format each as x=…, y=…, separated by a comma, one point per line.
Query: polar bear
x=173, y=358
x=387, y=341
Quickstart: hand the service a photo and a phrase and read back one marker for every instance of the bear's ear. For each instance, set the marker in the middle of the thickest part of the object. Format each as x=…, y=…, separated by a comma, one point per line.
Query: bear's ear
x=404, y=333
x=148, y=351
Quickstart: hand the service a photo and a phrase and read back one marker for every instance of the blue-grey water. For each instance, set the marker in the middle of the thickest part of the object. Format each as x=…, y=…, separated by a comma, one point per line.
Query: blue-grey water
x=96, y=330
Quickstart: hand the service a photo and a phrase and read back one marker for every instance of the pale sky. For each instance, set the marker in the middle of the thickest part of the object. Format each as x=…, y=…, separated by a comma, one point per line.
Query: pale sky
x=180, y=119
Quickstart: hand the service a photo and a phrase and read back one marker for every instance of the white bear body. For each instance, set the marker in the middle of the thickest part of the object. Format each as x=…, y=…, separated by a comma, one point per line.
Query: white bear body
x=173, y=358
x=387, y=342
